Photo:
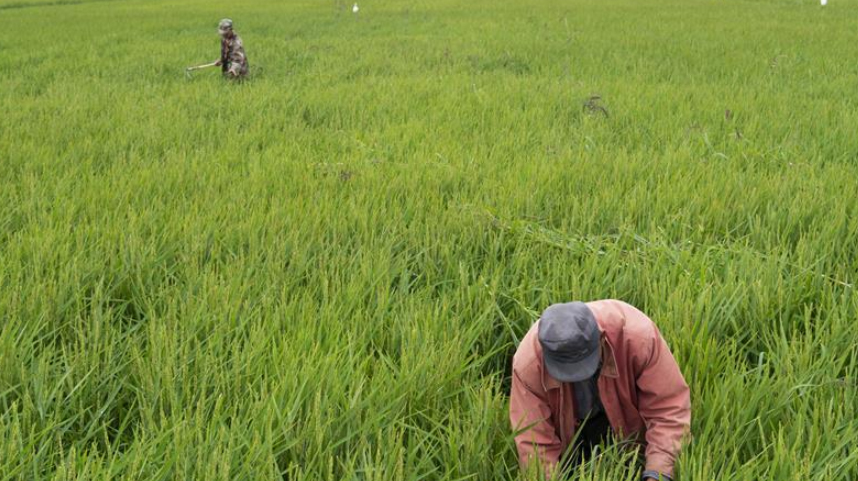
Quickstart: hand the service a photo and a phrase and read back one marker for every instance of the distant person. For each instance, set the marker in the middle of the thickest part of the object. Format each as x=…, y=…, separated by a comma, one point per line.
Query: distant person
x=233, y=60
x=594, y=369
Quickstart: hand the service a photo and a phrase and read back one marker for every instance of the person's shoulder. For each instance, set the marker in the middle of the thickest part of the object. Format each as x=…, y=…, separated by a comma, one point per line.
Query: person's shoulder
x=615, y=316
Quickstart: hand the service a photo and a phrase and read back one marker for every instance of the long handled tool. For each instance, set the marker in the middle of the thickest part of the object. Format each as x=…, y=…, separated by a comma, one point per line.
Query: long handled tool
x=200, y=67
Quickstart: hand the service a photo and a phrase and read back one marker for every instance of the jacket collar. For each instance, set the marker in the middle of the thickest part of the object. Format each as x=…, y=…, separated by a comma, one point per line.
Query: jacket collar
x=609, y=366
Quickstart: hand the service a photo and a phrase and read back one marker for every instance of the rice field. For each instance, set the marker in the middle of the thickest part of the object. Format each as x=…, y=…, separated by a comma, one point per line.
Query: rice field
x=322, y=273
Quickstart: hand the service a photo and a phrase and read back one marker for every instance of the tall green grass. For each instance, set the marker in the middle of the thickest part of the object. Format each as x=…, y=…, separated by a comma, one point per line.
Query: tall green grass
x=323, y=273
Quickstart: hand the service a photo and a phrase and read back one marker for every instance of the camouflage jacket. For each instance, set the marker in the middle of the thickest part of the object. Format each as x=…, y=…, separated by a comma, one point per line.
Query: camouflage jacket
x=232, y=55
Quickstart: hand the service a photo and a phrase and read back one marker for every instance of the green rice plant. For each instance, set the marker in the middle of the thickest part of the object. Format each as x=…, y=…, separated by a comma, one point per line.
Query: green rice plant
x=324, y=272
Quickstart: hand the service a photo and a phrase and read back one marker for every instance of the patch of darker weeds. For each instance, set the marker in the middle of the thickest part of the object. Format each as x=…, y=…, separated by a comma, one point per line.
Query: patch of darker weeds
x=506, y=62
x=314, y=118
x=728, y=117
x=594, y=106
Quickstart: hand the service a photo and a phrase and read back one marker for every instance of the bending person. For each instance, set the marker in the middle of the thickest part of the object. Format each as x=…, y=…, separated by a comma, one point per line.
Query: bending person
x=233, y=60
x=590, y=370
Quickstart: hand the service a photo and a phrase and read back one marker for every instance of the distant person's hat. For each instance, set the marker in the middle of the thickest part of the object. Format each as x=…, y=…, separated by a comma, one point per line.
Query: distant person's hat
x=570, y=341
x=225, y=25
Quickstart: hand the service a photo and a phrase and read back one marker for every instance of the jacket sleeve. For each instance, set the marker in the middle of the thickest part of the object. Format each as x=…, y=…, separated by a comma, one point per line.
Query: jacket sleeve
x=664, y=403
x=536, y=437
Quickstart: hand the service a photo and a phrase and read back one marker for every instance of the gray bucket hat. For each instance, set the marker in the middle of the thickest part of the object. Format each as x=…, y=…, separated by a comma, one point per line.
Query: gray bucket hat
x=570, y=339
x=225, y=25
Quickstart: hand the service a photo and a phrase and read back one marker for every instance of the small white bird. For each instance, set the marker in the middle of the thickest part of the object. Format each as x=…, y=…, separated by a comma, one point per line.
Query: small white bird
x=355, y=8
